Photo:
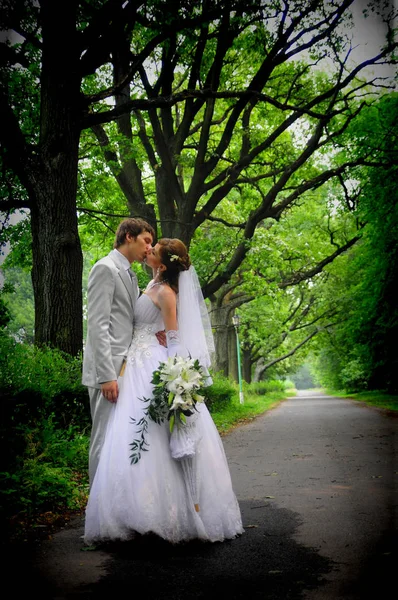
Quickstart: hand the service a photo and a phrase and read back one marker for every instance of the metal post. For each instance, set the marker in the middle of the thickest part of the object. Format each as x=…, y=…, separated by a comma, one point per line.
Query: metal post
x=236, y=322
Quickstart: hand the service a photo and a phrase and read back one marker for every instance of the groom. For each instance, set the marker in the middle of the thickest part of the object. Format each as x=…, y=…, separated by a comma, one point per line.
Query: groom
x=111, y=297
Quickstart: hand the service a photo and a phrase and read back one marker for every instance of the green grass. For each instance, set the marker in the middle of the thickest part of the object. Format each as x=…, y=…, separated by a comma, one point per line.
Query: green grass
x=378, y=399
x=253, y=405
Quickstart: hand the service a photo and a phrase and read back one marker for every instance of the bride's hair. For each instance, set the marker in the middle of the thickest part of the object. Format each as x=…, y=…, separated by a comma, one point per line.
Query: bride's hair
x=174, y=255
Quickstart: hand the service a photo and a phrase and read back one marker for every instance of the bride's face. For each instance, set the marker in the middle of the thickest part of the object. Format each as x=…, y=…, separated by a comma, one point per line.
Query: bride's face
x=153, y=258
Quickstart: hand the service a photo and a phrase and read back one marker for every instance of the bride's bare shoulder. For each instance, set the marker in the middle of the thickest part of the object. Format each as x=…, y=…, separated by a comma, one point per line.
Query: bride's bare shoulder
x=166, y=292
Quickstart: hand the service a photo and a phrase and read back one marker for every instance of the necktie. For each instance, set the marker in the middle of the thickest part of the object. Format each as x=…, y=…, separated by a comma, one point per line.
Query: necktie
x=133, y=279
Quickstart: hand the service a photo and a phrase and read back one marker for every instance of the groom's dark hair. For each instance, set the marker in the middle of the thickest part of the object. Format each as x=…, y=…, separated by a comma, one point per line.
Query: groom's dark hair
x=134, y=227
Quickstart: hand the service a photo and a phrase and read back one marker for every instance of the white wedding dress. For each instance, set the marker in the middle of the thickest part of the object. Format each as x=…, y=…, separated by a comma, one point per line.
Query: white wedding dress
x=152, y=496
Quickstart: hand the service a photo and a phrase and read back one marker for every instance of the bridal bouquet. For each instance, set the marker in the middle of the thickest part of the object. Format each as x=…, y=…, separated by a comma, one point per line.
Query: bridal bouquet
x=177, y=386
x=177, y=382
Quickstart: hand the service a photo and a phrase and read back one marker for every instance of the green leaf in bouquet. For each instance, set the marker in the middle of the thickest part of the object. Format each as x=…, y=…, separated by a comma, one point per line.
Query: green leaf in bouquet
x=172, y=421
x=138, y=445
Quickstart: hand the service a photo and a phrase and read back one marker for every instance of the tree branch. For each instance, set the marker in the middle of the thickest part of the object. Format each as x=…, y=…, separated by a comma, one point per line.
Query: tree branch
x=294, y=350
x=9, y=55
x=17, y=154
x=9, y=204
x=296, y=278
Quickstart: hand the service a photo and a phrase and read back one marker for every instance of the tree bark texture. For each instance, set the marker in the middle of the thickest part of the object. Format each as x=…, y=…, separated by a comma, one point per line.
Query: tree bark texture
x=57, y=267
x=222, y=308
x=219, y=321
x=246, y=365
x=57, y=256
x=259, y=370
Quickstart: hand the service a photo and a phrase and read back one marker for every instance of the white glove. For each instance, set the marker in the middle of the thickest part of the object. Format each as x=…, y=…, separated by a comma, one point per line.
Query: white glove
x=174, y=346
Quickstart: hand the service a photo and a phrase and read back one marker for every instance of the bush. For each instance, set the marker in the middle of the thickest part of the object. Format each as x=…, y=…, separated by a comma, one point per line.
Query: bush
x=354, y=376
x=265, y=387
x=45, y=370
x=40, y=381
x=289, y=384
x=44, y=417
x=39, y=487
x=221, y=393
x=49, y=476
x=5, y=316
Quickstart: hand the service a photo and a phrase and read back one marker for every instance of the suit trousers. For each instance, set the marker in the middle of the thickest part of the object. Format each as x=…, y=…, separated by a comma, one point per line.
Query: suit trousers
x=100, y=411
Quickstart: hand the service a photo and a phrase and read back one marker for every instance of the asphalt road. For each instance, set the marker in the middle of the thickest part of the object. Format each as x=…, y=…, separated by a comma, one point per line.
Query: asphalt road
x=316, y=479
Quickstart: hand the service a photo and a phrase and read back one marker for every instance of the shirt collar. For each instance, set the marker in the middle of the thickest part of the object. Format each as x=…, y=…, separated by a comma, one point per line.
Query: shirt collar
x=123, y=260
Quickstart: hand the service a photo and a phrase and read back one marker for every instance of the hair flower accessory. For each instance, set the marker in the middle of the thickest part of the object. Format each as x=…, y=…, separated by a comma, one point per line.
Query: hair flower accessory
x=174, y=257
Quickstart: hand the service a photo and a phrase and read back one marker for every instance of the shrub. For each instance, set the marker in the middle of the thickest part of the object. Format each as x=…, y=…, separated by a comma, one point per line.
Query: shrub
x=289, y=385
x=40, y=381
x=43, y=441
x=354, y=376
x=50, y=473
x=221, y=393
x=45, y=370
x=5, y=316
x=265, y=387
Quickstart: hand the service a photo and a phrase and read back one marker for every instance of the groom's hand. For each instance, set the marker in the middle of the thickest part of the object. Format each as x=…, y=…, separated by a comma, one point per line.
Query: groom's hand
x=110, y=390
x=161, y=335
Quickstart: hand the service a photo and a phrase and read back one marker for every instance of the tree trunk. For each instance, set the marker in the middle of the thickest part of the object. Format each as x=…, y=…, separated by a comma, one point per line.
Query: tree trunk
x=168, y=218
x=57, y=266
x=246, y=365
x=223, y=305
x=219, y=321
x=259, y=370
x=232, y=354
x=57, y=256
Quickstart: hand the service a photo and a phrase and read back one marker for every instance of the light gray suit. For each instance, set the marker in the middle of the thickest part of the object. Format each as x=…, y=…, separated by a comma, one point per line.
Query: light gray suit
x=111, y=297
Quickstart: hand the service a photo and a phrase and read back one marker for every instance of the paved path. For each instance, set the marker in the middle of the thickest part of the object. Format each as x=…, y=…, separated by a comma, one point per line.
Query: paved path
x=316, y=482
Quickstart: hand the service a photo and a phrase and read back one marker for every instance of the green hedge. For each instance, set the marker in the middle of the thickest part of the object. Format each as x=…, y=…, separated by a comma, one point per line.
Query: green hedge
x=265, y=387
x=44, y=422
x=221, y=393
x=36, y=382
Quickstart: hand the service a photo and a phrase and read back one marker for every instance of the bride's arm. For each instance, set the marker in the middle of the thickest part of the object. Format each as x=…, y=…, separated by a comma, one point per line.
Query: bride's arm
x=167, y=301
x=168, y=305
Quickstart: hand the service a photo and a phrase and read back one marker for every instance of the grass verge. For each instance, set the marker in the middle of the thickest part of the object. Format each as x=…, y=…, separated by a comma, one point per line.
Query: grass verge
x=253, y=405
x=377, y=399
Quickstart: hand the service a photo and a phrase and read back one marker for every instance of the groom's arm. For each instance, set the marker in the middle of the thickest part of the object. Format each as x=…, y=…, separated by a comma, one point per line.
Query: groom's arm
x=101, y=288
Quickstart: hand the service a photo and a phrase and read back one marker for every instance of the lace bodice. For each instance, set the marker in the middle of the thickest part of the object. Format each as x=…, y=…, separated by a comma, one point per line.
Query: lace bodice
x=147, y=322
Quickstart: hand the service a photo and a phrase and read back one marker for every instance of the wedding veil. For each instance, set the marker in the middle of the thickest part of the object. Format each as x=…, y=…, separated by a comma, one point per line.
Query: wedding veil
x=193, y=319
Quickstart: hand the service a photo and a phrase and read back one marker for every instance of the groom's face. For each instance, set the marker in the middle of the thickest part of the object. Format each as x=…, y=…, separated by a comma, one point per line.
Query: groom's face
x=140, y=246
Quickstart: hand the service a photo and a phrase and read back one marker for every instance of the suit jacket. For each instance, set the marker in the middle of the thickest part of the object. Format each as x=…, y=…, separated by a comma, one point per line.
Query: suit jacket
x=111, y=298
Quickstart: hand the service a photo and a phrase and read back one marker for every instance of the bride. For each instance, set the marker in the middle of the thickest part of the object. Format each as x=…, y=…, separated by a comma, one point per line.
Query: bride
x=154, y=494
